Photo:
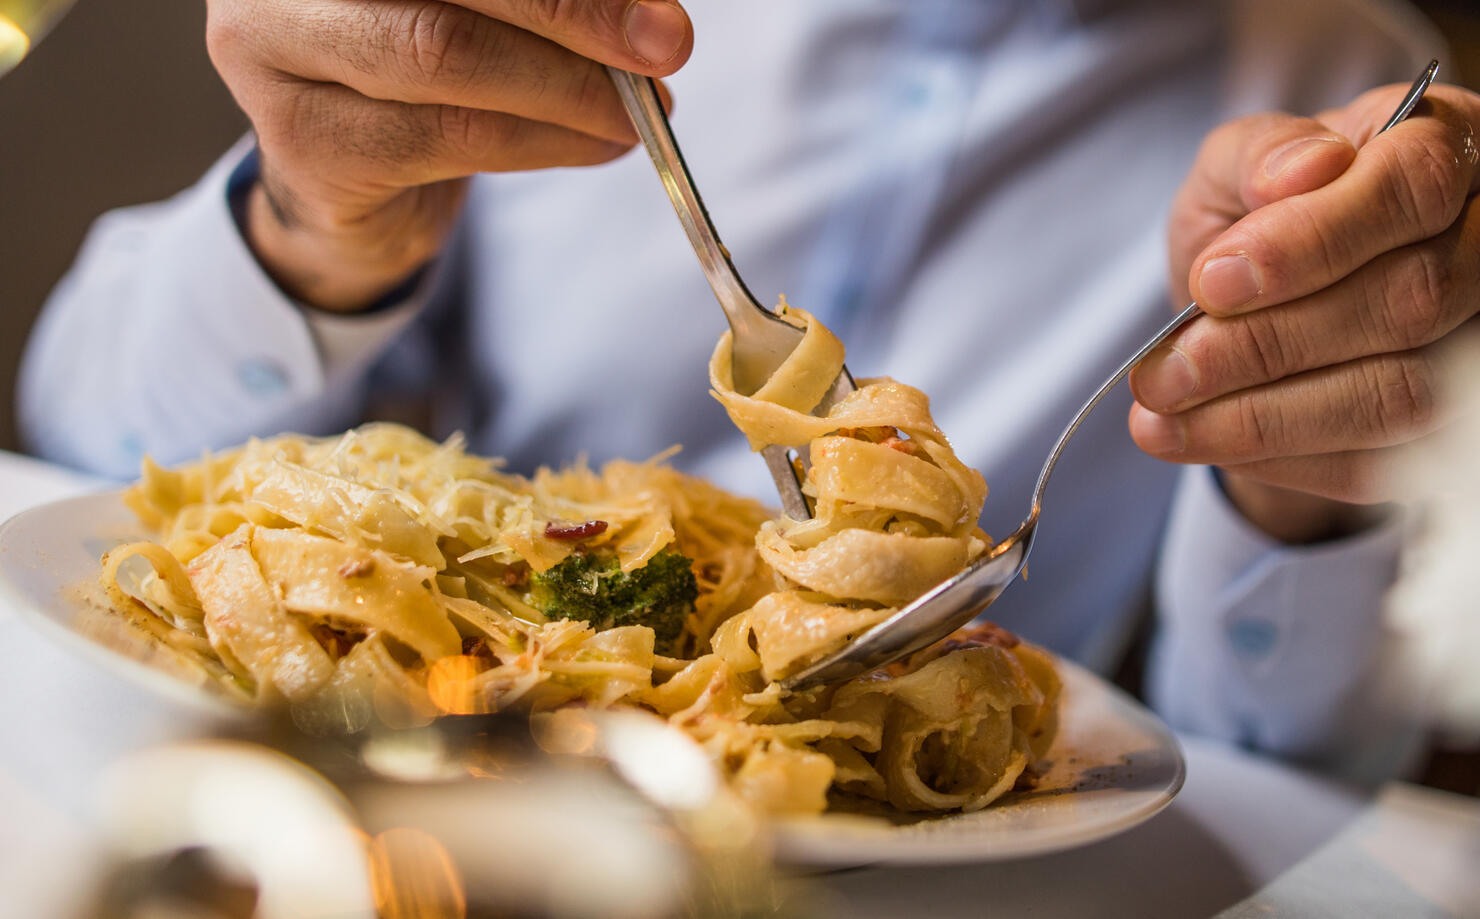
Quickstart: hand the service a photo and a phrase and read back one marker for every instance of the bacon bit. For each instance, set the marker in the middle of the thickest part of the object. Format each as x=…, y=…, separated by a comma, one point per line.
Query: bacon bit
x=357, y=568
x=897, y=443
x=516, y=576
x=475, y=646
x=337, y=644
x=571, y=532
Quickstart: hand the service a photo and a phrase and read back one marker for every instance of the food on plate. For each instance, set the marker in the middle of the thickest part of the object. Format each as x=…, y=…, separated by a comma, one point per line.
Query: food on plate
x=382, y=575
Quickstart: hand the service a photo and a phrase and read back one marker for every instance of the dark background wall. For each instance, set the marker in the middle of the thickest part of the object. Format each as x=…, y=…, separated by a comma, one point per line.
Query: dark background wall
x=119, y=105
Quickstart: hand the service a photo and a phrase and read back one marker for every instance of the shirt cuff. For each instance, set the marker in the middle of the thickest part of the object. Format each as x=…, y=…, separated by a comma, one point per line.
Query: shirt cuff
x=1273, y=646
x=346, y=342
x=167, y=337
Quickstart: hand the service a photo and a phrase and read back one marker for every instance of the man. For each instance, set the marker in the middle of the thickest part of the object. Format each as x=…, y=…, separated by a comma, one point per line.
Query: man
x=971, y=193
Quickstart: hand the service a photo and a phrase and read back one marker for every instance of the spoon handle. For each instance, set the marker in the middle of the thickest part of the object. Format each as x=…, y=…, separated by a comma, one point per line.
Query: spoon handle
x=1187, y=315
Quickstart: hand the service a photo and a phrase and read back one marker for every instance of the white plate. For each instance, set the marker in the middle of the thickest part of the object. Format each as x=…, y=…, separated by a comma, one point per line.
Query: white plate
x=1112, y=765
x=49, y=574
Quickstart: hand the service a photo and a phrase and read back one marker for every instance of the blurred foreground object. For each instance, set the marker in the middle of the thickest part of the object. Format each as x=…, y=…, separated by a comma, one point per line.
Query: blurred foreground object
x=22, y=23
x=1436, y=602
x=462, y=818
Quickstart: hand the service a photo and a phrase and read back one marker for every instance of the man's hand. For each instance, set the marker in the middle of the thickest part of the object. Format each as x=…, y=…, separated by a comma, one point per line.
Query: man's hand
x=1337, y=268
x=370, y=114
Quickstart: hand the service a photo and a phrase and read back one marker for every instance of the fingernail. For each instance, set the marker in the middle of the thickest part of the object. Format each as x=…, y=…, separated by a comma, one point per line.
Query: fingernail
x=1227, y=282
x=1159, y=435
x=655, y=29
x=1165, y=379
x=1284, y=159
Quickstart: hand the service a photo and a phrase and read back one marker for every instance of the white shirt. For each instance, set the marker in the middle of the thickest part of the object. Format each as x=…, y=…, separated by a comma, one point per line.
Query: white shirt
x=971, y=193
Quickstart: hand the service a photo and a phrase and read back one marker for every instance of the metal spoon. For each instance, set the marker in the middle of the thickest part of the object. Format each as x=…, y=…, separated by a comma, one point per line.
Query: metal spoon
x=957, y=601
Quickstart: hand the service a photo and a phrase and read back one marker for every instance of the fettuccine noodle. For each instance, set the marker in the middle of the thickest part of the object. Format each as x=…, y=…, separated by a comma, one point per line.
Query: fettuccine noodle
x=382, y=576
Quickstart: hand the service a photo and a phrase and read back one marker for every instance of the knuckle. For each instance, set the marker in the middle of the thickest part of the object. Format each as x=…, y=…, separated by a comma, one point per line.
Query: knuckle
x=1403, y=397
x=1425, y=184
x=293, y=121
x=443, y=45
x=1418, y=304
x=556, y=15
x=1259, y=428
x=471, y=132
x=1267, y=355
x=227, y=34
x=1329, y=247
x=553, y=18
x=591, y=91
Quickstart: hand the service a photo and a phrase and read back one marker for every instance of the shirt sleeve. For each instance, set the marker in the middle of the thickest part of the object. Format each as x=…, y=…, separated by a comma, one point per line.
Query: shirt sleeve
x=1276, y=647
x=166, y=337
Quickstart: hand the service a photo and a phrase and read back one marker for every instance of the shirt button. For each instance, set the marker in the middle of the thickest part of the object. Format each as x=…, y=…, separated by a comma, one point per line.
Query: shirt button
x=914, y=95
x=1253, y=637
x=262, y=377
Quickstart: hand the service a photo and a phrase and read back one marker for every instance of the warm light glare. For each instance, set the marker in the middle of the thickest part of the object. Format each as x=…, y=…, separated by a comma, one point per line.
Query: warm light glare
x=414, y=877
x=453, y=686
x=13, y=44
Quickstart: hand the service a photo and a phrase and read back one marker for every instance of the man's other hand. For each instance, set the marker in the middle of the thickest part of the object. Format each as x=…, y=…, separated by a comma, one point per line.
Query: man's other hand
x=1338, y=268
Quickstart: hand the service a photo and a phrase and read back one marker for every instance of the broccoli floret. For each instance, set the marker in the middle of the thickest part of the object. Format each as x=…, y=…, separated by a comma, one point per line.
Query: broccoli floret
x=591, y=587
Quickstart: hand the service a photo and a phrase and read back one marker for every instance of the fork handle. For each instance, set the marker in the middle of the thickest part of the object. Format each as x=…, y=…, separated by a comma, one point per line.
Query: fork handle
x=640, y=96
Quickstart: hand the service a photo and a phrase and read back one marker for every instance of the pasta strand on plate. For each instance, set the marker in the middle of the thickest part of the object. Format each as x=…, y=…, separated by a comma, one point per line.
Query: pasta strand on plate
x=382, y=576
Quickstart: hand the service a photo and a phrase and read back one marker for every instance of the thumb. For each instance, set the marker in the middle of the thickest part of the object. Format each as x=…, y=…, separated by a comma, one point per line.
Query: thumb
x=1242, y=166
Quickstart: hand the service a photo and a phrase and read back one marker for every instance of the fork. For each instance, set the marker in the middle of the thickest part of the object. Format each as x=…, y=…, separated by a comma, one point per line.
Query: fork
x=761, y=340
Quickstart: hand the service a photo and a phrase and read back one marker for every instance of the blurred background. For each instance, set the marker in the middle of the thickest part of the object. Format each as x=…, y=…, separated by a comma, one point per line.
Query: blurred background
x=119, y=106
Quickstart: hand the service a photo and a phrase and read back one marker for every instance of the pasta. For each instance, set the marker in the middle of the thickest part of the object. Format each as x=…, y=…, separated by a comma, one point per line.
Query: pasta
x=383, y=576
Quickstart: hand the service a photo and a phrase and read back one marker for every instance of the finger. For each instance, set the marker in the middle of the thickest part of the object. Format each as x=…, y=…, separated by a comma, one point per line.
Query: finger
x=1404, y=186
x=1373, y=402
x=1245, y=165
x=649, y=36
x=1253, y=161
x=1403, y=300
x=339, y=140
x=439, y=53
x=1354, y=476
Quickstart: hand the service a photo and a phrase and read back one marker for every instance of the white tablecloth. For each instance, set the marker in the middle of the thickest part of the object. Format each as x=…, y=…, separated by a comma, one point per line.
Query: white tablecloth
x=1246, y=835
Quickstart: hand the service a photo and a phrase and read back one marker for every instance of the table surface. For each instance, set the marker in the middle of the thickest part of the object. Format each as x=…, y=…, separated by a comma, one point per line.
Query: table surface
x=1246, y=837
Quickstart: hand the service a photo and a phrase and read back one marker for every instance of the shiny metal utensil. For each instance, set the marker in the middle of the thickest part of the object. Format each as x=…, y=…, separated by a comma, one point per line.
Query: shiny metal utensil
x=761, y=340
x=957, y=601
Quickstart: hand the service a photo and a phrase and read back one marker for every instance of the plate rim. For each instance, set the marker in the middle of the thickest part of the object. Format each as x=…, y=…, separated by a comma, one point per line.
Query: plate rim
x=28, y=611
